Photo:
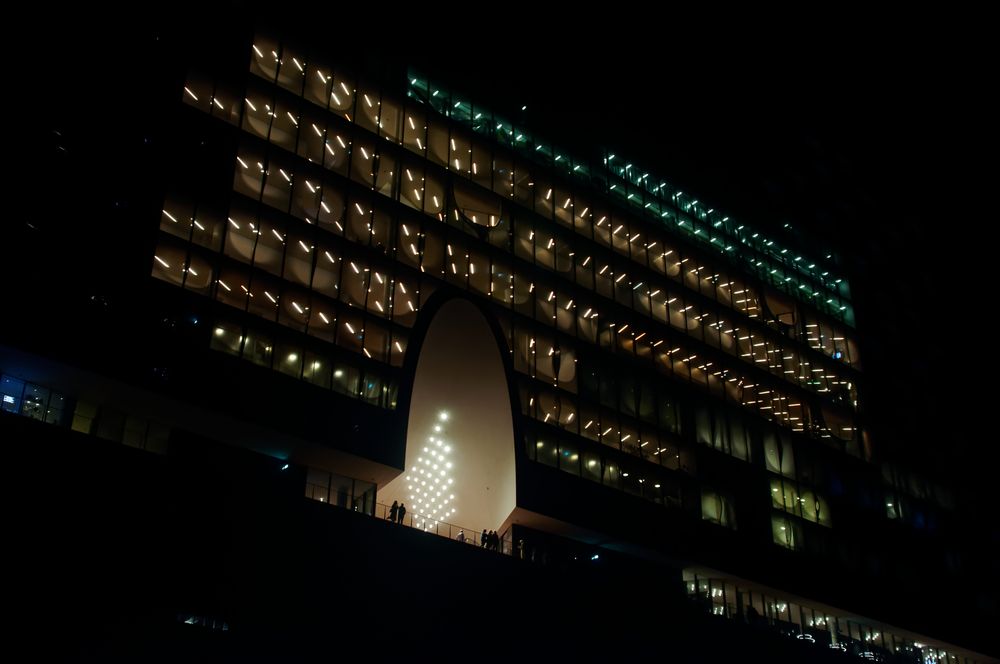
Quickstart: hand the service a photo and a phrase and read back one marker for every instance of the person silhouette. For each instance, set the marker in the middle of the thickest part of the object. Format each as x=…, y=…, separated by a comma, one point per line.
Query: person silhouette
x=482, y=539
x=393, y=511
x=401, y=513
x=461, y=536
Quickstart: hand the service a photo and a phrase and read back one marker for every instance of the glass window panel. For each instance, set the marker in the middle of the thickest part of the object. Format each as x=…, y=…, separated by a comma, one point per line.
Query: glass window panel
x=175, y=218
x=257, y=348
x=778, y=455
x=479, y=272
x=738, y=438
x=369, y=108
x=354, y=282
x=379, y=289
x=248, y=176
x=460, y=152
x=285, y=125
x=586, y=323
x=241, y=234
x=649, y=444
x=786, y=532
x=382, y=228
x=376, y=341
x=277, y=186
x=630, y=439
x=200, y=275
x=198, y=92
x=547, y=452
x=169, y=261
x=404, y=302
x=257, y=110
x=411, y=190
x=524, y=238
x=637, y=243
x=433, y=252
x=207, y=228
x=264, y=295
x=326, y=274
x=288, y=359
x=563, y=203
x=350, y=332
x=620, y=234
x=318, y=83
x=359, y=214
x=591, y=467
x=545, y=254
x=134, y=434
x=523, y=183
x=322, y=319
x=294, y=309
x=298, y=259
x=346, y=379
x=477, y=207
x=590, y=425
x=569, y=458
x=342, y=95
x=331, y=208
x=609, y=433
x=227, y=337
x=503, y=175
x=434, y=196
x=264, y=57
x=408, y=242
x=83, y=416
x=386, y=169
x=604, y=278
x=481, y=167
x=438, y=145
x=232, y=287
x=414, y=130
x=457, y=264
x=391, y=119
x=291, y=70
x=336, y=150
x=312, y=136
x=270, y=249
x=316, y=370
x=397, y=349
x=372, y=388
x=35, y=401
x=363, y=162
x=711, y=506
x=611, y=475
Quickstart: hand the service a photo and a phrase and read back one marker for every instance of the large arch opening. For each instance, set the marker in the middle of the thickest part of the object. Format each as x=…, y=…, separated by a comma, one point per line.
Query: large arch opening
x=459, y=470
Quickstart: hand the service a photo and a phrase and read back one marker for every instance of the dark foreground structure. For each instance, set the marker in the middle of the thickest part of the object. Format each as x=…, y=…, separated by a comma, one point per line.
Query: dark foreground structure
x=273, y=287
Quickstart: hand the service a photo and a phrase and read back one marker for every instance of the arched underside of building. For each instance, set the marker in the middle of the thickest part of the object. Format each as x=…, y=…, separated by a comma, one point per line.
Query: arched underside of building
x=459, y=460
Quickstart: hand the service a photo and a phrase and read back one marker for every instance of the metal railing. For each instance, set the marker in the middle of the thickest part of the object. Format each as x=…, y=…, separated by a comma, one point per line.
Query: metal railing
x=505, y=544
x=444, y=529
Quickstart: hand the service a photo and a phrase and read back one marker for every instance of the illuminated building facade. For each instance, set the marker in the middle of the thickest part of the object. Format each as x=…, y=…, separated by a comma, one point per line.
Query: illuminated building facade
x=680, y=386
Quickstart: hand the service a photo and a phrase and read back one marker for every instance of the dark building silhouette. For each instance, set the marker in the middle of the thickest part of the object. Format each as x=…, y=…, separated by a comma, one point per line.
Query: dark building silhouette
x=223, y=292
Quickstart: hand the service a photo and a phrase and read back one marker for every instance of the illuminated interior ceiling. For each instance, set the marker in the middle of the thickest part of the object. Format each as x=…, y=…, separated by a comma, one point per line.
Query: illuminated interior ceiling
x=460, y=414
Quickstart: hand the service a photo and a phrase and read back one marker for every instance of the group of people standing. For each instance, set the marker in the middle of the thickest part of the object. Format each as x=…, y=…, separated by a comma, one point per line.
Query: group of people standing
x=396, y=512
x=490, y=540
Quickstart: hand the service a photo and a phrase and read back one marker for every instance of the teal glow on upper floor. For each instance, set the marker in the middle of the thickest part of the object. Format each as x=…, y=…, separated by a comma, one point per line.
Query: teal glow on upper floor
x=811, y=281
